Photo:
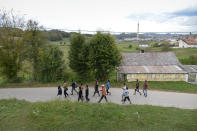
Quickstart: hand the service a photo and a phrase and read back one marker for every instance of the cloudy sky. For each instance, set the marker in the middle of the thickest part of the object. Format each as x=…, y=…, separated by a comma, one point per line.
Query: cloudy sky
x=112, y=15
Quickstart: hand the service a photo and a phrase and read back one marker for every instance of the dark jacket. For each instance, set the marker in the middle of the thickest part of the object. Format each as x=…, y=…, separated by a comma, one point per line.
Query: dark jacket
x=59, y=91
x=87, y=91
x=137, y=85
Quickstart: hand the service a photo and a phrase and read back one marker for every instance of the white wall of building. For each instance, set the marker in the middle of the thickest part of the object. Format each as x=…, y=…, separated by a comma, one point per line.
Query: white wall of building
x=183, y=44
x=143, y=45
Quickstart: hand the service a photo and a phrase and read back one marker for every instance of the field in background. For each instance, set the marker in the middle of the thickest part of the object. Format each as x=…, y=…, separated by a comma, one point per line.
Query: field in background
x=180, y=52
x=65, y=115
x=65, y=41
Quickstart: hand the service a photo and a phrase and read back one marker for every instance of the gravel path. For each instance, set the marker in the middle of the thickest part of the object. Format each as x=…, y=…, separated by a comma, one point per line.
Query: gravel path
x=157, y=98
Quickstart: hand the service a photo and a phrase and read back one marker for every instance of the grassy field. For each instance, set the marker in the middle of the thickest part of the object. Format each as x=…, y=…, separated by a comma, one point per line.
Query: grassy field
x=180, y=53
x=63, y=115
x=66, y=40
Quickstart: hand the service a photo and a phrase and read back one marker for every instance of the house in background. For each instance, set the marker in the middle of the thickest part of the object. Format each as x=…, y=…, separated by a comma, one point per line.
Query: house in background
x=187, y=43
x=152, y=66
x=143, y=45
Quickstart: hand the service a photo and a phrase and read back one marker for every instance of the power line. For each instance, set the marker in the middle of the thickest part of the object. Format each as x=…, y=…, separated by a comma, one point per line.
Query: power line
x=114, y=32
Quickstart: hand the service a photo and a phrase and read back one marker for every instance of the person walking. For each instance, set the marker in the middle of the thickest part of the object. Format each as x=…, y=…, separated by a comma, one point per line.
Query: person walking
x=65, y=89
x=80, y=94
x=126, y=95
x=137, y=87
x=74, y=85
x=123, y=88
x=59, y=93
x=145, y=88
x=87, y=93
x=96, y=89
x=103, y=94
x=108, y=86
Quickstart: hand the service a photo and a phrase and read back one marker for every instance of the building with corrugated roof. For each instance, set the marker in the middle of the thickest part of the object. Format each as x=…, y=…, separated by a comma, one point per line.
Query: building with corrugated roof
x=187, y=43
x=153, y=66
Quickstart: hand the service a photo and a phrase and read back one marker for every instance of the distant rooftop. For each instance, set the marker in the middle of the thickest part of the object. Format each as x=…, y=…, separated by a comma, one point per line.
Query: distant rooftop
x=190, y=41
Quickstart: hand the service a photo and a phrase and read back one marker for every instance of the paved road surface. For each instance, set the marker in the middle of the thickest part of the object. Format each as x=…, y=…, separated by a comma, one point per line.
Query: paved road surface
x=158, y=98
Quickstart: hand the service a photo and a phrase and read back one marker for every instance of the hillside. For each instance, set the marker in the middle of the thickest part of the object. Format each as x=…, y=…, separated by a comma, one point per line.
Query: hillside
x=64, y=115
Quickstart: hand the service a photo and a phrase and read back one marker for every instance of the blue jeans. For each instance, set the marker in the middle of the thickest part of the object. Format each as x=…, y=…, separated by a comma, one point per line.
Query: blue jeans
x=145, y=92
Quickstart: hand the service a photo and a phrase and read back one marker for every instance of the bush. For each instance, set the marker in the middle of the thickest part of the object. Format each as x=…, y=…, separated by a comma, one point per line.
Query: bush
x=137, y=48
x=155, y=45
x=130, y=46
x=166, y=47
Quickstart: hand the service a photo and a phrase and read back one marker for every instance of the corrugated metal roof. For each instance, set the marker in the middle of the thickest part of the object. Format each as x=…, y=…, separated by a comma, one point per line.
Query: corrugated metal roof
x=149, y=59
x=151, y=69
x=189, y=68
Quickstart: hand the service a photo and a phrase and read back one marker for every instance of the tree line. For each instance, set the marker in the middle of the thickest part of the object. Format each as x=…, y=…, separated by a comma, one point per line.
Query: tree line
x=23, y=42
x=24, y=50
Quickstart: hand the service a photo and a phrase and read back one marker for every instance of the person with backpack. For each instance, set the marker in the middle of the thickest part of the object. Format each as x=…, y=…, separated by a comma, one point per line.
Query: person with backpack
x=59, y=93
x=80, y=94
x=137, y=87
x=96, y=89
x=65, y=89
x=87, y=93
x=126, y=95
x=103, y=94
x=145, y=88
x=107, y=87
x=74, y=85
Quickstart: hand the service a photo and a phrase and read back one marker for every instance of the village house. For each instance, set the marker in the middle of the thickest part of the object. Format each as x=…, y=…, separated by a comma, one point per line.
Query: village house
x=154, y=66
x=143, y=45
x=187, y=43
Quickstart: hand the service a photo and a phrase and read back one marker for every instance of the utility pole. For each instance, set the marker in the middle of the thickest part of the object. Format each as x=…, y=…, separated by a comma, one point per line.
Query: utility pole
x=138, y=31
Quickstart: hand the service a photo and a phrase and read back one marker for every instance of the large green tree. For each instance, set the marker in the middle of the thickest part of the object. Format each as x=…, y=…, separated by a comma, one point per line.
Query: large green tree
x=79, y=56
x=34, y=42
x=104, y=55
x=51, y=64
x=11, y=45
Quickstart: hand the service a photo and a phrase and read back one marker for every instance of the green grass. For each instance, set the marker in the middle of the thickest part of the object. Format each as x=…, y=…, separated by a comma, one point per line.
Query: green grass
x=179, y=52
x=174, y=86
x=124, y=46
x=58, y=42
x=63, y=115
x=179, y=86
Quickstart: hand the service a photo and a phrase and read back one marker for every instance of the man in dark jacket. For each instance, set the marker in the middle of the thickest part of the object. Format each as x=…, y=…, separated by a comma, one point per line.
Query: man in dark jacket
x=87, y=93
x=137, y=87
x=74, y=85
x=96, y=88
x=59, y=93
x=80, y=97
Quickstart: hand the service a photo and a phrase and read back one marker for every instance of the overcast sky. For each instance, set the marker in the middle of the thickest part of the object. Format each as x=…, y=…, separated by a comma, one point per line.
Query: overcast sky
x=112, y=15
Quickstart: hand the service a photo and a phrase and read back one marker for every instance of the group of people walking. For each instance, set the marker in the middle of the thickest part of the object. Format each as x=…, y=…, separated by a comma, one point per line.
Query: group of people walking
x=104, y=91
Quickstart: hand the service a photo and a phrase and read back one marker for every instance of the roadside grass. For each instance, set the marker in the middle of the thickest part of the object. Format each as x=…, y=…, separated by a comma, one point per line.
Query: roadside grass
x=176, y=86
x=64, y=115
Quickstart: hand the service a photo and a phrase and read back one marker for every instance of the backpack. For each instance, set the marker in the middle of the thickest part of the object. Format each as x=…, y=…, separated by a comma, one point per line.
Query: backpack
x=76, y=85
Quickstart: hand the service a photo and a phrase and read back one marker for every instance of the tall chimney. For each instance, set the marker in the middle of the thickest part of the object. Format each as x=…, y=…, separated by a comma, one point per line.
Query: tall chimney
x=138, y=31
